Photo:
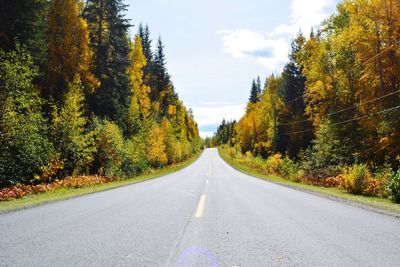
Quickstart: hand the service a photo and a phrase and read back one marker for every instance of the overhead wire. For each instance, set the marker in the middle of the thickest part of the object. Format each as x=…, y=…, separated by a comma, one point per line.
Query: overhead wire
x=363, y=64
x=347, y=121
x=345, y=109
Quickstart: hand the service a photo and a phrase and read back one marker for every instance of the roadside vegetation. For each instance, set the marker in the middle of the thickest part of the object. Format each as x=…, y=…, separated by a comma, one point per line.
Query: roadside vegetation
x=83, y=102
x=262, y=169
x=332, y=117
x=81, y=185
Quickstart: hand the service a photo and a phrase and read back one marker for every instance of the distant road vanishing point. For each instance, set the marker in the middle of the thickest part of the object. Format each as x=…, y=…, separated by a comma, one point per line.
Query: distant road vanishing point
x=207, y=214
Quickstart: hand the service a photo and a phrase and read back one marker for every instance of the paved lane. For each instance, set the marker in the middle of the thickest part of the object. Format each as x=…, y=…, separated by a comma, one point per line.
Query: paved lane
x=205, y=215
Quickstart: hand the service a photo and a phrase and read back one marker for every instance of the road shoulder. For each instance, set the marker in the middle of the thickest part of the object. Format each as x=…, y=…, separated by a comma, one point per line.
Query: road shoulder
x=34, y=200
x=380, y=205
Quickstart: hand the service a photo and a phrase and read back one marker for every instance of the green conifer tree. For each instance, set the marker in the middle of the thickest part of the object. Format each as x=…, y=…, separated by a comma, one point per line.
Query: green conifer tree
x=108, y=30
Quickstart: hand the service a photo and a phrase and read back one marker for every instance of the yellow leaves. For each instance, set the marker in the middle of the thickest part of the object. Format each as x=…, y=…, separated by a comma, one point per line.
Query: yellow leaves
x=19, y=191
x=247, y=129
x=171, y=110
x=110, y=147
x=273, y=163
x=51, y=170
x=140, y=91
x=68, y=44
x=256, y=128
x=138, y=62
x=156, y=147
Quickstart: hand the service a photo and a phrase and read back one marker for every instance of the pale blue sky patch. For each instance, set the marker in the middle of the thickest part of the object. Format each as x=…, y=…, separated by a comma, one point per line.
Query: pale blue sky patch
x=215, y=48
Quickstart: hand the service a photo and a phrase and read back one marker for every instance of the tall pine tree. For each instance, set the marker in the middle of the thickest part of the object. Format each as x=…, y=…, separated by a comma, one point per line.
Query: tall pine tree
x=108, y=30
x=293, y=118
x=161, y=76
x=25, y=22
x=144, y=34
x=255, y=91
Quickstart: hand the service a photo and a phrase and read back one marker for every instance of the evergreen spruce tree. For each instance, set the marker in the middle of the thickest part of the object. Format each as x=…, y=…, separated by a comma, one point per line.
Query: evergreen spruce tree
x=144, y=34
x=255, y=91
x=108, y=29
x=161, y=76
x=24, y=21
x=73, y=143
x=258, y=82
x=292, y=91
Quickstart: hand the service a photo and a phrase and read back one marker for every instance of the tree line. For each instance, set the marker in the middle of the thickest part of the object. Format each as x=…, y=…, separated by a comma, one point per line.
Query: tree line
x=79, y=95
x=336, y=102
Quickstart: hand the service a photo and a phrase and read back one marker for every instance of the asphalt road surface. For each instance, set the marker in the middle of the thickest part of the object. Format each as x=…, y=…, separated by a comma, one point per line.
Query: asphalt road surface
x=207, y=214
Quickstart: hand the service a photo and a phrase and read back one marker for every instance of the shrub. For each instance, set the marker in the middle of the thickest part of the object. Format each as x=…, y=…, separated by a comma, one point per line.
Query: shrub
x=19, y=190
x=354, y=179
x=394, y=187
x=24, y=146
x=170, y=142
x=377, y=185
x=74, y=144
x=256, y=163
x=232, y=152
x=187, y=150
x=248, y=155
x=51, y=170
x=178, y=155
x=156, y=146
x=110, y=147
x=332, y=181
x=134, y=158
x=331, y=148
x=197, y=144
x=273, y=163
x=290, y=170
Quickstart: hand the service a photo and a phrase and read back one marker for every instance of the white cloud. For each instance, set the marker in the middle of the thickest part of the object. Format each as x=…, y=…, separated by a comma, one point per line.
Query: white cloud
x=241, y=43
x=215, y=103
x=214, y=115
x=271, y=49
x=305, y=14
x=206, y=134
x=209, y=116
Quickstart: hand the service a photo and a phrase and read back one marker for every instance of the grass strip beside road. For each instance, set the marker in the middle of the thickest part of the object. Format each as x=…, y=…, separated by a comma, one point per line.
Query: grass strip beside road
x=67, y=193
x=378, y=204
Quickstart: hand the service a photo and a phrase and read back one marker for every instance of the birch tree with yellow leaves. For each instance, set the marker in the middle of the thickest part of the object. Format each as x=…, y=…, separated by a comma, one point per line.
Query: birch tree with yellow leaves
x=140, y=105
x=68, y=46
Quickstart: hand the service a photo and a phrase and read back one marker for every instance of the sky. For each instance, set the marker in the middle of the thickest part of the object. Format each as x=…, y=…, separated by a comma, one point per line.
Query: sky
x=214, y=48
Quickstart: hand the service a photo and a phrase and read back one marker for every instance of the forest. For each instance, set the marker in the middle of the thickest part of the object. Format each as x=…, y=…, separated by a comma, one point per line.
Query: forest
x=332, y=116
x=80, y=95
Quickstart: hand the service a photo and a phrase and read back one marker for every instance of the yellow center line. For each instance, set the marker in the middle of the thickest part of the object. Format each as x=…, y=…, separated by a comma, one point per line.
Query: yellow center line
x=200, y=208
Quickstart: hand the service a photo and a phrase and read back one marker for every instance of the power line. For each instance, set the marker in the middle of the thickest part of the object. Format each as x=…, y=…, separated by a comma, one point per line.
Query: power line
x=345, y=109
x=346, y=121
x=382, y=52
x=293, y=100
x=349, y=108
x=362, y=64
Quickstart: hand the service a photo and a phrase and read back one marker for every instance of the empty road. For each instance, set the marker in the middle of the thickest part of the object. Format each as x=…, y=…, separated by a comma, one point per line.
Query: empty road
x=207, y=214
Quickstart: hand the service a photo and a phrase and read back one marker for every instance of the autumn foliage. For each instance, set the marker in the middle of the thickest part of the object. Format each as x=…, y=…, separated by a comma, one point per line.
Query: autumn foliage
x=20, y=190
x=92, y=105
x=334, y=111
